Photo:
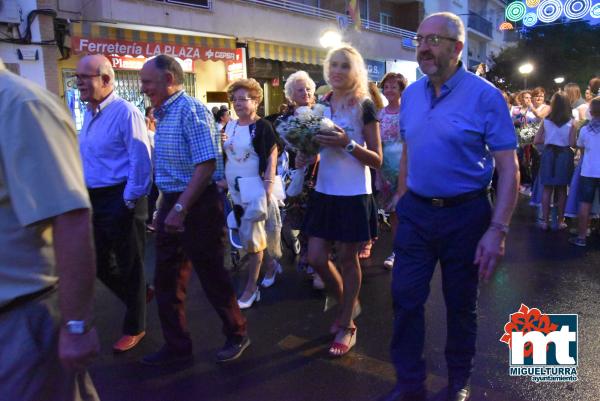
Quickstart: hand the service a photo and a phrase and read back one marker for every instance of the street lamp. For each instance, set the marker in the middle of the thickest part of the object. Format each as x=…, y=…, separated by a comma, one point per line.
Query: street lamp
x=525, y=70
x=330, y=39
x=559, y=80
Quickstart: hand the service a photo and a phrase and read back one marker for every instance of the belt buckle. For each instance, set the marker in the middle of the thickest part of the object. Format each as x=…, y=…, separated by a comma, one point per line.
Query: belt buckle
x=437, y=202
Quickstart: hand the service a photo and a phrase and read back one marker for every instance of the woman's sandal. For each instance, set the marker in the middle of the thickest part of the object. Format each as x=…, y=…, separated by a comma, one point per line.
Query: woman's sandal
x=338, y=349
x=335, y=326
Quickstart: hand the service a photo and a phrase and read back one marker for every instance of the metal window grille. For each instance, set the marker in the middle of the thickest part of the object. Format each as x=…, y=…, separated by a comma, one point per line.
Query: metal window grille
x=127, y=86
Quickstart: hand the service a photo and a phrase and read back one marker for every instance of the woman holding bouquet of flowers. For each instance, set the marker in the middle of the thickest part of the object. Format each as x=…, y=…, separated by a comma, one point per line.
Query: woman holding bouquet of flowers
x=300, y=92
x=557, y=133
x=341, y=208
x=250, y=151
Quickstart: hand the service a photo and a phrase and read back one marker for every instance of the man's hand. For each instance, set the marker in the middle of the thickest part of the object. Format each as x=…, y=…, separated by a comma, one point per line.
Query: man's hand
x=391, y=207
x=76, y=351
x=490, y=251
x=174, y=222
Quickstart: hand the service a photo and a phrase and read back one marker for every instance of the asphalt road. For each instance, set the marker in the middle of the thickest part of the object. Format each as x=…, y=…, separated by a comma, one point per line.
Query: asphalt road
x=288, y=357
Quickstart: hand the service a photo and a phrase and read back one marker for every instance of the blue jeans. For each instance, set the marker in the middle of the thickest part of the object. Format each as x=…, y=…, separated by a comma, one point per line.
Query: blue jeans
x=428, y=234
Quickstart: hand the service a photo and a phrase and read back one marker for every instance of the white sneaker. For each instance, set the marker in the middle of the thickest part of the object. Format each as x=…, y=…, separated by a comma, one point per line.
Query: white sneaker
x=318, y=283
x=388, y=263
x=575, y=231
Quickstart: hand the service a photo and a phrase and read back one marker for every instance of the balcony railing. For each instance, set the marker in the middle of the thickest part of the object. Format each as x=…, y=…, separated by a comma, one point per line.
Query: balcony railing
x=317, y=12
x=480, y=24
x=191, y=3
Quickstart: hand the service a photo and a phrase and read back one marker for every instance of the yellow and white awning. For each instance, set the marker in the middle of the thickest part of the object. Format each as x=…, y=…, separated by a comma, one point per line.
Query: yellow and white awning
x=95, y=31
x=289, y=53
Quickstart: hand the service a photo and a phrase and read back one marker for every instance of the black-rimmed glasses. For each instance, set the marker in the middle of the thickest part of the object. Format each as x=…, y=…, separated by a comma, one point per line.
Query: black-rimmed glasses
x=431, y=40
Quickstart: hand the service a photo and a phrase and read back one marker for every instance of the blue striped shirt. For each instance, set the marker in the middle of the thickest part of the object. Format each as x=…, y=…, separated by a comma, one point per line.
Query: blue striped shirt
x=186, y=136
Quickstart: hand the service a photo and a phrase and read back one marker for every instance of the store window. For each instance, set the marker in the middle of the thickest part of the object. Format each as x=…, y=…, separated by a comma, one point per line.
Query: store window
x=127, y=86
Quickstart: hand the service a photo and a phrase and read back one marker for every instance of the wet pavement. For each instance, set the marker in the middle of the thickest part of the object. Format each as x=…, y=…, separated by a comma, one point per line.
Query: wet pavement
x=288, y=357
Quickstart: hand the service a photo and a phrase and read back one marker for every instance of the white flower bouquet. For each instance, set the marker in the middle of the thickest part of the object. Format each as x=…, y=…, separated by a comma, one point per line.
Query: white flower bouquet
x=299, y=130
x=527, y=133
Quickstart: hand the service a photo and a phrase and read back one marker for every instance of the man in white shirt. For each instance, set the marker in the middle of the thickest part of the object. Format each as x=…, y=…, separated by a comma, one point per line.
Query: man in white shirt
x=115, y=152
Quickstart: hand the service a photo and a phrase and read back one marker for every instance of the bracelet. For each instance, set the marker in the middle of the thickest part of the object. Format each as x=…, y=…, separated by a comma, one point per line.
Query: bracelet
x=500, y=227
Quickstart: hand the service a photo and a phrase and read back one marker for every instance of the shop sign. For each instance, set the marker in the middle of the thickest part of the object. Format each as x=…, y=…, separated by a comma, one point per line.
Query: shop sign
x=236, y=69
x=376, y=70
x=150, y=49
x=136, y=63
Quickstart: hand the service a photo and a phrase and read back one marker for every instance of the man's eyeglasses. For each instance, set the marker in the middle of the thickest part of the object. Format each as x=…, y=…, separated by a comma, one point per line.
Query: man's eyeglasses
x=431, y=40
x=240, y=99
x=85, y=77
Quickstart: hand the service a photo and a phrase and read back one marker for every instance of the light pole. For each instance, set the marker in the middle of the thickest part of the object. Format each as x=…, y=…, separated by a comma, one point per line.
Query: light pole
x=525, y=70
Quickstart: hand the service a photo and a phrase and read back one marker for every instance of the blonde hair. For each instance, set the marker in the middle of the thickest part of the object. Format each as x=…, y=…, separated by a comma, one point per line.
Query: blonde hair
x=250, y=84
x=358, y=71
x=573, y=92
x=298, y=76
x=375, y=96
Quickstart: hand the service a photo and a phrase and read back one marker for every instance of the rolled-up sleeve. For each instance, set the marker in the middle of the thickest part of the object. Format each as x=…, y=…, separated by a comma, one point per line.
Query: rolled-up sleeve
x=499, y=130
x=135, y=137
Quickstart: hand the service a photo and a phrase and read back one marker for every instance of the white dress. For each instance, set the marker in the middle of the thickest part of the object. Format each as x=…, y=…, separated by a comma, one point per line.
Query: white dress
x=242, y=160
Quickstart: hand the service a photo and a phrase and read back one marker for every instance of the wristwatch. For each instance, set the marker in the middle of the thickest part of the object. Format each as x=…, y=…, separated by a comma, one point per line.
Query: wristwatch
x=351, y=146
x=77, y=327
x=130, y=204
x=178, y=207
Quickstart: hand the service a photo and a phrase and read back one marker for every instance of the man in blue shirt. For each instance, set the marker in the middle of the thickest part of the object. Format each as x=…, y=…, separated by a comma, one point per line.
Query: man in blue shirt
x=456, y=127
x=190, y=224
x=115, y=152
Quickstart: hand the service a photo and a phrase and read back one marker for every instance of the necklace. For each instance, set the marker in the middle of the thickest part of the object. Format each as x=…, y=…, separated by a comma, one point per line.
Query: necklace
x=232, y=144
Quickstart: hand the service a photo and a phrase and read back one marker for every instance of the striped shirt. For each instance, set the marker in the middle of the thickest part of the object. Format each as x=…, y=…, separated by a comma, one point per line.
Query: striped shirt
x=186, y=136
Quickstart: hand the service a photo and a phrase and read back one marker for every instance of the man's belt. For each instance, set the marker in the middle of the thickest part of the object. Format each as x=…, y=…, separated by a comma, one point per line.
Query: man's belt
x=454, y=200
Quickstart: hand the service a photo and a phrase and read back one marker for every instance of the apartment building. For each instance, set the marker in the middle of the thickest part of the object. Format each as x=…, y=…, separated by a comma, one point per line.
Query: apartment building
x=482, y=19
x=216, y=41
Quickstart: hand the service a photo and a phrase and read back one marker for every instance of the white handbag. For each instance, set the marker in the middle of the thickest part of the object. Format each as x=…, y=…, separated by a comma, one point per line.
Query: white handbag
x=253, y=187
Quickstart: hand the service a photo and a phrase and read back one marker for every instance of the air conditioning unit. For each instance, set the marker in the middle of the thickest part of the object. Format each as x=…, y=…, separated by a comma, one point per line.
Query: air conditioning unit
x=9, y=12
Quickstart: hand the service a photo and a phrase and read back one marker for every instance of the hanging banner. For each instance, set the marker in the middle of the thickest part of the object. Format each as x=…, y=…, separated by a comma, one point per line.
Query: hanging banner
x=136, y=63
x=149, y=49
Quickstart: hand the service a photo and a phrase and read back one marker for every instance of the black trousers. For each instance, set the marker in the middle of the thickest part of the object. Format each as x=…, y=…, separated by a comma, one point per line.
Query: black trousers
x=120, y=236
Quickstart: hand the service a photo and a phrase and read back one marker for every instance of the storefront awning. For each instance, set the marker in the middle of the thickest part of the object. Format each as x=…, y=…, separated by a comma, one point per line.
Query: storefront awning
x=280, y=52
x=89, y=30
x=98, y=39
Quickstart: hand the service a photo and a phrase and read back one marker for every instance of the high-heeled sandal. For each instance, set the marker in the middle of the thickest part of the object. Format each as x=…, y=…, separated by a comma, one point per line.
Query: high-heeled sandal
x=335, y=326
x=338, y=349
x=255, y=297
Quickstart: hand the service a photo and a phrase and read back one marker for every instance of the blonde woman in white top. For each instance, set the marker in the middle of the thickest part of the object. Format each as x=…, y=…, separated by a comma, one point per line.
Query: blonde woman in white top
x=342, y=209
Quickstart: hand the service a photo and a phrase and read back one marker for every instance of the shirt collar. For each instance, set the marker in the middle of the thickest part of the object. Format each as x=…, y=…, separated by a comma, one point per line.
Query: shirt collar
x=109, y=99
x=453, y=81
x=160, y=112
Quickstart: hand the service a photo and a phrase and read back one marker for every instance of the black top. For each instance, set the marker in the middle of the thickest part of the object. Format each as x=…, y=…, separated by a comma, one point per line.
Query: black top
x=263, y=142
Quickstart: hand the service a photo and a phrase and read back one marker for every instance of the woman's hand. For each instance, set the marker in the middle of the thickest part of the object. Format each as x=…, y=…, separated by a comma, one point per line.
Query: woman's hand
x=224, y=137
x=336, y=137
x=391, y=207
x=303, y=160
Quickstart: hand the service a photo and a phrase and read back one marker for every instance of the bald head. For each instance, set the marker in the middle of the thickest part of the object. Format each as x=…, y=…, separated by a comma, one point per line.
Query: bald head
x=451, y=23
x=95, y=79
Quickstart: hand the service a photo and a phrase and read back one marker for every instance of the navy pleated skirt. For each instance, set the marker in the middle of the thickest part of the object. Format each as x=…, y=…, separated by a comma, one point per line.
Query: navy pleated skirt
x=341, y=218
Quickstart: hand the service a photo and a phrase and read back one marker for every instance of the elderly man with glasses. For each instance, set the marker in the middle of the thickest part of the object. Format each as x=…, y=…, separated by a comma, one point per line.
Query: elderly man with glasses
x=443, y=209
x=115, y=151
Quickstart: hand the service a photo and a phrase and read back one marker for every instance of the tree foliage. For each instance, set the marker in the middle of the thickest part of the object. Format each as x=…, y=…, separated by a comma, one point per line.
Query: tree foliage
x=569, y=50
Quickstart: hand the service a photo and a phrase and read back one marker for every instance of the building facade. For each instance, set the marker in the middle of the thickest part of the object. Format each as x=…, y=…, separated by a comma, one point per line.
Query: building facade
x=216, y=41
